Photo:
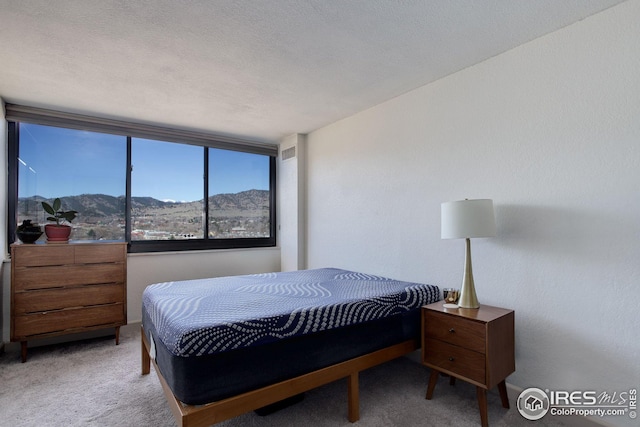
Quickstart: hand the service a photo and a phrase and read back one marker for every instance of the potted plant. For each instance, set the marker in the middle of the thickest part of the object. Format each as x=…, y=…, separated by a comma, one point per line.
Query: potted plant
x=58, y=232
x=28, y=232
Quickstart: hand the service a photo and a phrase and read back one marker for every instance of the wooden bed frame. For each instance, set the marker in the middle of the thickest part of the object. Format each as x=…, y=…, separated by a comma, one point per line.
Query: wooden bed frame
x=215, y=412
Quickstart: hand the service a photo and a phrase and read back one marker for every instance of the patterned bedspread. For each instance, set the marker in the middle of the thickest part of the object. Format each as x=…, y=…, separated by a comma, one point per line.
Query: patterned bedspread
x=206, y=316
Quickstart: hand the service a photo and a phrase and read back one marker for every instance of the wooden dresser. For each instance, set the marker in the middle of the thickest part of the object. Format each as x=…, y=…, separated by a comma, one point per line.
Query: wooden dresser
x=473, y=344
x=60, y=289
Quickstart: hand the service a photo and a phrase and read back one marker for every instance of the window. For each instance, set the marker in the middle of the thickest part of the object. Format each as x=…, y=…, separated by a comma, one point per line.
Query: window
x=86, y=169
x=177, y=192
x=167, y=190
x=240, y=203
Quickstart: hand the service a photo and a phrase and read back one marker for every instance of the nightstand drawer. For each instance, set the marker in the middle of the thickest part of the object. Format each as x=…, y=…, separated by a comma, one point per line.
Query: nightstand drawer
x=467, y=363
x=455, y=330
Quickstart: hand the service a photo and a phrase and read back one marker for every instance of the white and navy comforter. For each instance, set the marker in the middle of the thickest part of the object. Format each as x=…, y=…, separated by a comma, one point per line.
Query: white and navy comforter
x=207, y=316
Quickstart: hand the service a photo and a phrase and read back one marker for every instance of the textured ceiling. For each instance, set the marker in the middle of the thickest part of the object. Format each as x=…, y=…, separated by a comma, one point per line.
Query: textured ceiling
x=259, y=69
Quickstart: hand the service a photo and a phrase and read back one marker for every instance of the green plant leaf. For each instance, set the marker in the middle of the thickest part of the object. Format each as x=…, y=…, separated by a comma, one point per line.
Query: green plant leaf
x=69, y=215
x=57, y=213
x=48, y=209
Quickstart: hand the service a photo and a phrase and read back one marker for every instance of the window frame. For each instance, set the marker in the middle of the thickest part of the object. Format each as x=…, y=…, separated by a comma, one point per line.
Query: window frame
x=16, y=114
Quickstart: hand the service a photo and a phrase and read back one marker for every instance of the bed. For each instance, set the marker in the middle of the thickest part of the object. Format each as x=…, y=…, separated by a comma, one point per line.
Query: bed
x=225, y=346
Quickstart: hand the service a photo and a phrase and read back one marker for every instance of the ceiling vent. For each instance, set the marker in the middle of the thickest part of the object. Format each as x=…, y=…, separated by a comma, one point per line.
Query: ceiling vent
x=289, y=153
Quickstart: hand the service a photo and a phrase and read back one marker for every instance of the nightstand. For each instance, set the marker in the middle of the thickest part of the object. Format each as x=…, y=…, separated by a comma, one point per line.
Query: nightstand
x=473, y=344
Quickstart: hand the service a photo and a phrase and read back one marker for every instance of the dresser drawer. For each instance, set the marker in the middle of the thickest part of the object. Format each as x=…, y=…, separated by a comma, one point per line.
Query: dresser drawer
x=41, y=255
x=448, y=357
x=58, y=298
x=67, y=275
x=68, y=319
x=102, y=253
x=455, y=330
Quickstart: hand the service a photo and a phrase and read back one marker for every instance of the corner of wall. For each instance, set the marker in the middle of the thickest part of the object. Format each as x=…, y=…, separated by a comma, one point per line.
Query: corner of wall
x=291, y=195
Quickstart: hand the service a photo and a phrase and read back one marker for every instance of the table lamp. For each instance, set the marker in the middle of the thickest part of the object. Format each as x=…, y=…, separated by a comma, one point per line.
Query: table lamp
x=467, y=219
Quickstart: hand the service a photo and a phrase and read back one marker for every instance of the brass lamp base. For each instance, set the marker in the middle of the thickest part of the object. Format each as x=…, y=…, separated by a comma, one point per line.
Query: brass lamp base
x=468, y=298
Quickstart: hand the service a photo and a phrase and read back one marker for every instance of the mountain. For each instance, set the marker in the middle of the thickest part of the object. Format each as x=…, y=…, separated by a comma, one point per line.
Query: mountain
x=246, y=200
x=244, y=214
x=102, y=205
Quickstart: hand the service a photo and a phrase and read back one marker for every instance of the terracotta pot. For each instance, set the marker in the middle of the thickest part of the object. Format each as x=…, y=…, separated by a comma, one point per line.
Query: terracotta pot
x=57, y=233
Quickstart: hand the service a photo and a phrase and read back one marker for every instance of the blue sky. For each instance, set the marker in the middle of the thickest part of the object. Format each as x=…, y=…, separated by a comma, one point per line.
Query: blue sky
x=57, y=162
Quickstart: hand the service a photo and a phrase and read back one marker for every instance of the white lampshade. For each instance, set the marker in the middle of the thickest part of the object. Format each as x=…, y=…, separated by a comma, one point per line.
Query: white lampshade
x=468, y=219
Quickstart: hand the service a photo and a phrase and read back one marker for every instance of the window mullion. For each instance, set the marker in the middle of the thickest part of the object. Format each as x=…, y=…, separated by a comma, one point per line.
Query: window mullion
x=127, y=199
x=205, y=210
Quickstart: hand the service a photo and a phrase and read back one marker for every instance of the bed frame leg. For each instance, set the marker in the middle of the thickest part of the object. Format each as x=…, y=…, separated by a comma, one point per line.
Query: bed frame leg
x=354, y=397
x=146, y=360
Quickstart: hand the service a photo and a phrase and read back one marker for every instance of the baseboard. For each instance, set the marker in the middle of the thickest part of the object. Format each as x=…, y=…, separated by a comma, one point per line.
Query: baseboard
x=570, y=420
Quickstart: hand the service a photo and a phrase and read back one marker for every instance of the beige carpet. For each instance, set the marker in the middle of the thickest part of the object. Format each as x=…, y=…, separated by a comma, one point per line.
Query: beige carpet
x=96, y=383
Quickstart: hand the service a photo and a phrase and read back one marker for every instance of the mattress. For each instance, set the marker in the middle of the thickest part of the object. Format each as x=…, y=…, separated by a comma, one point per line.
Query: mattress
x=214, y=338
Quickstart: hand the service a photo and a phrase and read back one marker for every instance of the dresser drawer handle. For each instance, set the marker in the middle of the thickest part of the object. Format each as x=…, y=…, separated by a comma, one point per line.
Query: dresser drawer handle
x=452, y=331
x=451, y=359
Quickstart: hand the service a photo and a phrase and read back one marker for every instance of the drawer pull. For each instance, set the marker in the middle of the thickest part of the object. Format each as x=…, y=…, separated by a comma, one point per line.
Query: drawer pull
x=452, y=331
x=451, y=359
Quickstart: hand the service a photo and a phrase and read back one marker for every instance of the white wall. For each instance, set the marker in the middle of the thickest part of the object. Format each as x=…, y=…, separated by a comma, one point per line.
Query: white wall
x=551, y=132
x=291, y=204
